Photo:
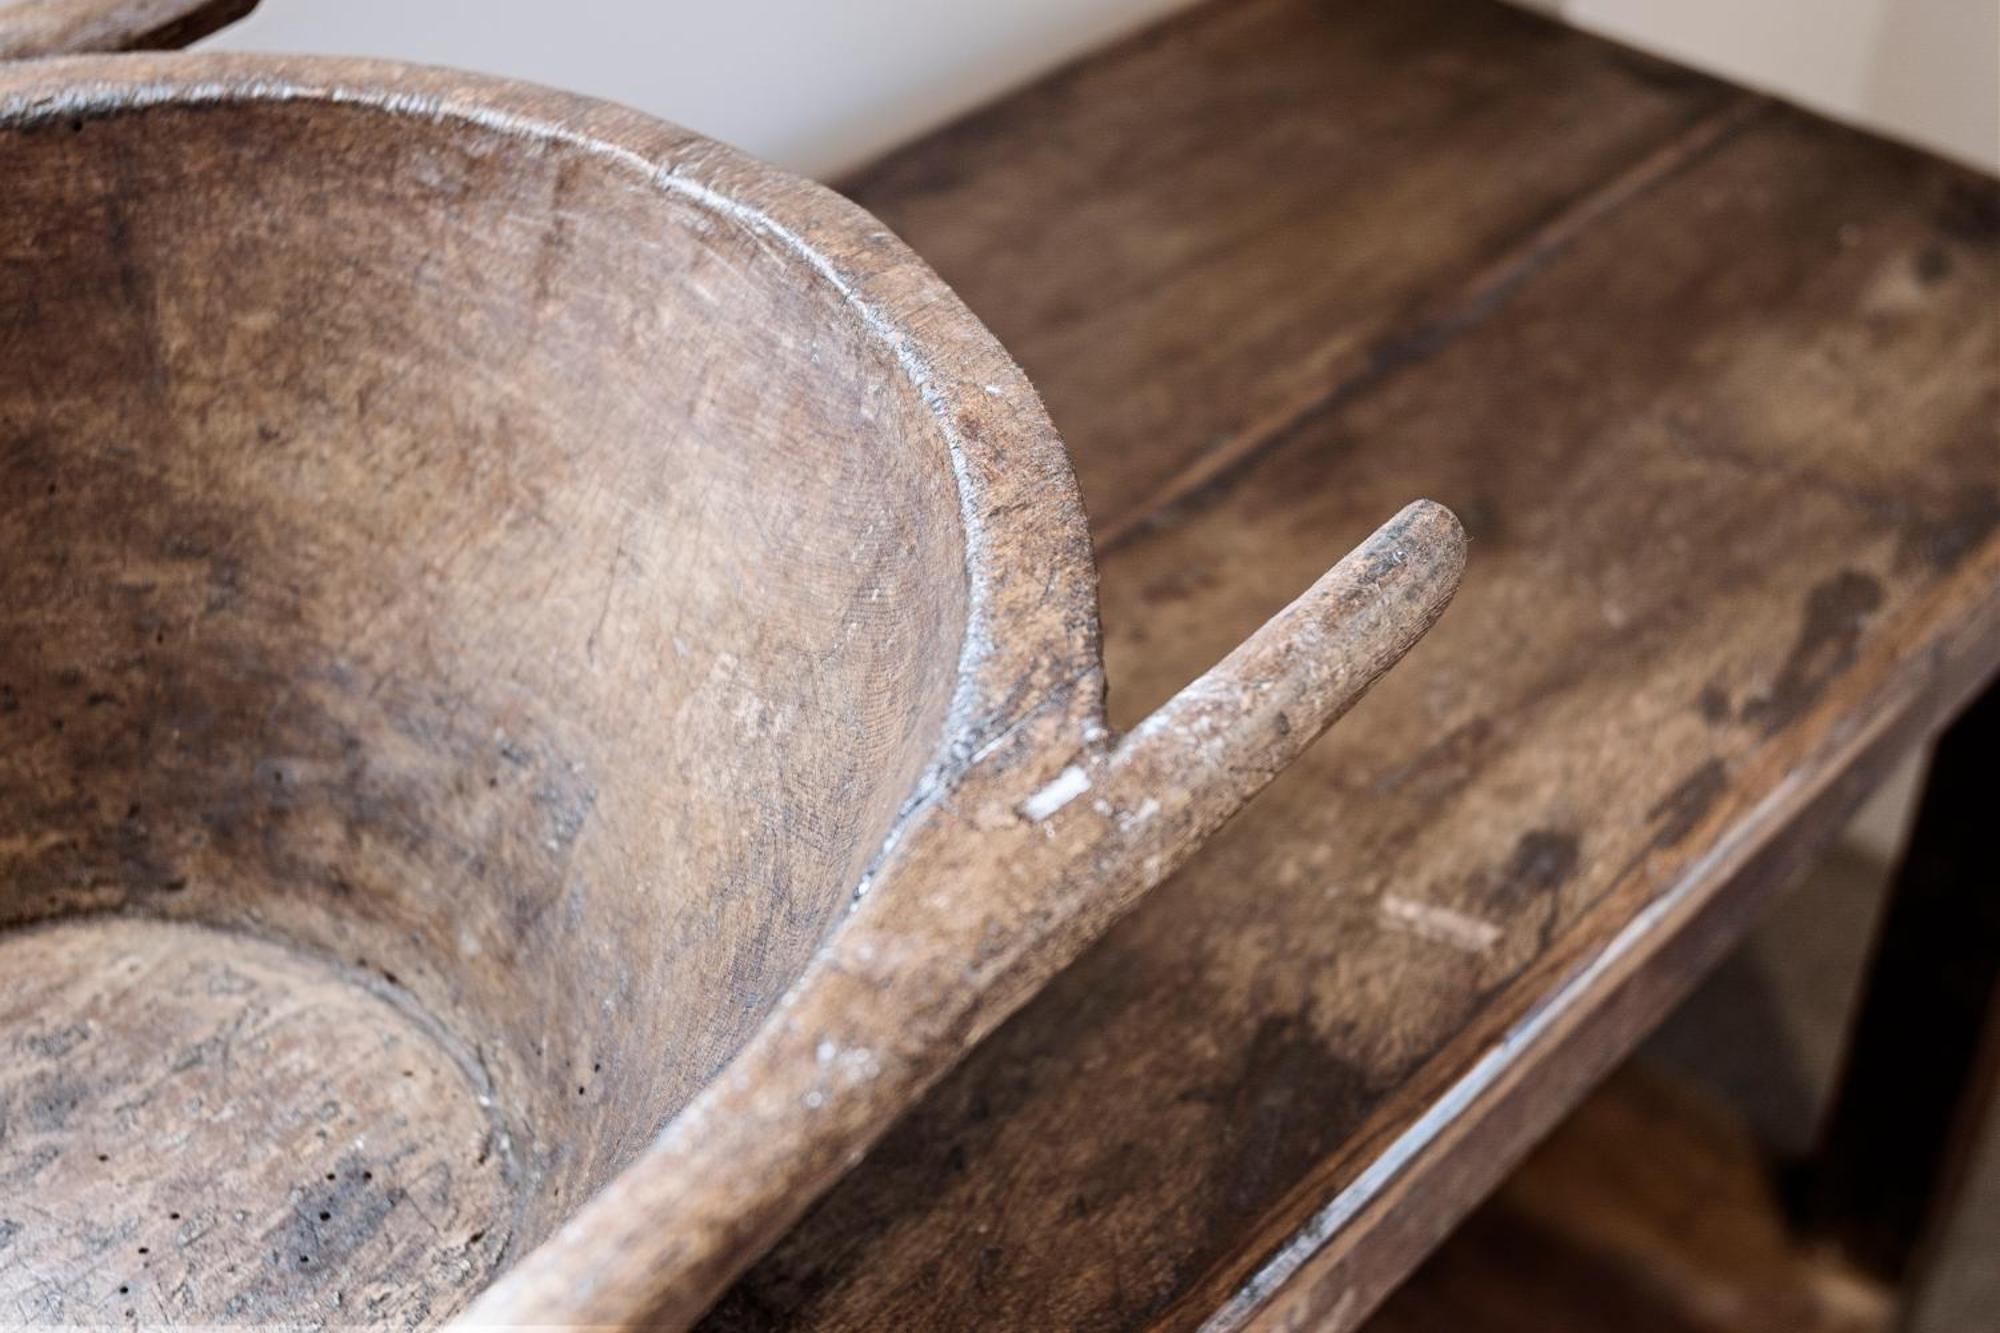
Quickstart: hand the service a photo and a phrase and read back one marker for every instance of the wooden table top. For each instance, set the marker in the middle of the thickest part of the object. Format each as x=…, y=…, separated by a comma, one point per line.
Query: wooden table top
x=1716, y=388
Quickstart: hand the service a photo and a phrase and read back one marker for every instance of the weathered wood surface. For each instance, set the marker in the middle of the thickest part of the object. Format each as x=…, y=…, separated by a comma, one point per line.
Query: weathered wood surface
x=506, y=563
x=1717, y=389
x=33, y=28
x=1589, y=1235
x=201, y=1126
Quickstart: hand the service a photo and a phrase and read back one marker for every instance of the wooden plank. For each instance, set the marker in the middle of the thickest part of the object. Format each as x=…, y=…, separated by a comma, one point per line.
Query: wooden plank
x=1724, y=429
x=1243, y=216
x=1687, y=1237
x=1583, y=1024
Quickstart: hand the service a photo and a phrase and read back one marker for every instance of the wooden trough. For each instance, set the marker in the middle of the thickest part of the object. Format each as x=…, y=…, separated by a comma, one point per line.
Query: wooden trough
x=549, y=686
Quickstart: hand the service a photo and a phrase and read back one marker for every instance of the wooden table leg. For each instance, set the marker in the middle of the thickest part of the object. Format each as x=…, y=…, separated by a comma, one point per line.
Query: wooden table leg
x=1923, y=1064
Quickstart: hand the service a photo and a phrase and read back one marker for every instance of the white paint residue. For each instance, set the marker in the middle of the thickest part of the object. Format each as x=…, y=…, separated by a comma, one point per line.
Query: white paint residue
x=1441, y=924
x=1071, y=783
x=1131, y=819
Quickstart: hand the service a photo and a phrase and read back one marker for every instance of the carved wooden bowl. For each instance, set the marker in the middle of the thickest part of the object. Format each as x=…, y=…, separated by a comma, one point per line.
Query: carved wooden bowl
x=549, y=685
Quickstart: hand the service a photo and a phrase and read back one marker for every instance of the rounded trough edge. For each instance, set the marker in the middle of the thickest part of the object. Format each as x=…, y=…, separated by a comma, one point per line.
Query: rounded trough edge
x=1031, y=631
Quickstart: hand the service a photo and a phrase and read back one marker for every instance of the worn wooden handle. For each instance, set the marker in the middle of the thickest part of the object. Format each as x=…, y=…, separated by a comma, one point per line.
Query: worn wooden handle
x=1118, y=821
x=979, y=909
x=1213, y=745
x=30, y=29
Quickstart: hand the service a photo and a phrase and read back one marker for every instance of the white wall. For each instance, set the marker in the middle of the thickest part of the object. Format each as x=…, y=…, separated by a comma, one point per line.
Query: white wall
x=819, y=85
x=815, y=85
x=1925, y=71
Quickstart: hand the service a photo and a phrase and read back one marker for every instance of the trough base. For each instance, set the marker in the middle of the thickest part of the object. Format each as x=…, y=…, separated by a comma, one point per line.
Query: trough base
x=199, y=1126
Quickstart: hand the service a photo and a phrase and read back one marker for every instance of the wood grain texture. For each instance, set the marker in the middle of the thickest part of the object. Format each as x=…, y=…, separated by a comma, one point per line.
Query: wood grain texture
x=1255, y=211
x=202, y=1126
x=1718, y=391
x=968, y=916
x=1688, y=1236
x=593, y=591
x=36, y=28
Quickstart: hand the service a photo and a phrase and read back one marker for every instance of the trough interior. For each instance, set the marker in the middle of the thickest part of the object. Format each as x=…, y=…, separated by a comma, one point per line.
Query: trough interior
x=468, y=616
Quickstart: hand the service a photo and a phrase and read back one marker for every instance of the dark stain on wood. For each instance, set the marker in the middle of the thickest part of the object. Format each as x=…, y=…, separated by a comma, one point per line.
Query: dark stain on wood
x=1968, y=518
x=1836, y=612
x=1542, y=862
x=1274, y=1114
x=1681, y=810
x=1971, y=212
x=1446, y=764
